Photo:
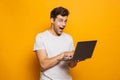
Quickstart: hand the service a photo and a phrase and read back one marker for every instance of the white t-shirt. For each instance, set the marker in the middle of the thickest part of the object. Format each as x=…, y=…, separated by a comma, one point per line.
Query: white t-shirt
x=55, y=45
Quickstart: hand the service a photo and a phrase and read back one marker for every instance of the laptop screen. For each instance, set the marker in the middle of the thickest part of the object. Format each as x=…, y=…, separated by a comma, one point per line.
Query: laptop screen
x=84, y=50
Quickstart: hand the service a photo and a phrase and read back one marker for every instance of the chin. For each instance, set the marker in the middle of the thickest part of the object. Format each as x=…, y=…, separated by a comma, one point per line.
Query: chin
x=59, y=33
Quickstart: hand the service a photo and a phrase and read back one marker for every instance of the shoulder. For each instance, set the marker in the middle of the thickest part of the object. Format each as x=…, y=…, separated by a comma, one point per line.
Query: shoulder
x=68, y=36
x=42, y=34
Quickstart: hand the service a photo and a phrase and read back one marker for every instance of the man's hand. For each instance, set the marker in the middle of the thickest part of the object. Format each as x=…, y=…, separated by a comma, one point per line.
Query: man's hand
x=68, y=55
x=73, y=63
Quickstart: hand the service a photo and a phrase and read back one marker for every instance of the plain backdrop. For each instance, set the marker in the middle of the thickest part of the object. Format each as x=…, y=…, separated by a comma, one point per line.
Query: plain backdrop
x=22, y=20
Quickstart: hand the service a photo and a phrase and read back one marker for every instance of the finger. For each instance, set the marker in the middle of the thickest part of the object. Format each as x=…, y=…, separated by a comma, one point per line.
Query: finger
x=76, y=61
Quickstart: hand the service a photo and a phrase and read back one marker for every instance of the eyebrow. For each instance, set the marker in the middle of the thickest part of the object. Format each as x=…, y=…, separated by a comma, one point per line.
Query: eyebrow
x=62, y=19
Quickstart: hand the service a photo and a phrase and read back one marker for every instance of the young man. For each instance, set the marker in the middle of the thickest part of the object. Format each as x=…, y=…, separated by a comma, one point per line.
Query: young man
x=53, y=45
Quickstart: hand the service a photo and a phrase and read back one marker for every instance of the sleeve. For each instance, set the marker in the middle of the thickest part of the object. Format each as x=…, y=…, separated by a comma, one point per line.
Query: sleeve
x=38, y=44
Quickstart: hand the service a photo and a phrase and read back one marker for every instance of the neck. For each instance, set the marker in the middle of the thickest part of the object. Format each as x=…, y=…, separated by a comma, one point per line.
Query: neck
x=52, y=32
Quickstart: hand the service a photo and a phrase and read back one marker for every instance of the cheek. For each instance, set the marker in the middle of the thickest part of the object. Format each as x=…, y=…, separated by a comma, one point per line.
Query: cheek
x=58, y=23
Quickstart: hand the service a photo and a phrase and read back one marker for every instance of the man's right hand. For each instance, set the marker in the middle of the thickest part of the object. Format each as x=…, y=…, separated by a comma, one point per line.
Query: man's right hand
x=68, y=55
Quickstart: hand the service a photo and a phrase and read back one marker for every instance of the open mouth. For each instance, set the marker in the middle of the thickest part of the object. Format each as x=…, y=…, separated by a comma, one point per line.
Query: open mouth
x=61, y=28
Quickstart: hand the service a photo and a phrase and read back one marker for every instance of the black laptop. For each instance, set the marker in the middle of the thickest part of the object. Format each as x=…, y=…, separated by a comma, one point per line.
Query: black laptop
x=84, y=50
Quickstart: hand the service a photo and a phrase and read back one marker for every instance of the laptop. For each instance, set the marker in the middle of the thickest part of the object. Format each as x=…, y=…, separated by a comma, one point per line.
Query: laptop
x=84, y=50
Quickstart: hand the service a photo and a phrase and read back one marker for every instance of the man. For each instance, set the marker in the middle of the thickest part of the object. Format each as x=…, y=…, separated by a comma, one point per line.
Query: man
x=53, y=45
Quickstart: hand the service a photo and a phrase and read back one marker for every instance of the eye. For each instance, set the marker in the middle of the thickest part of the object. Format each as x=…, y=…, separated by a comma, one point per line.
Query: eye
x=65, y=21
x=60, y=20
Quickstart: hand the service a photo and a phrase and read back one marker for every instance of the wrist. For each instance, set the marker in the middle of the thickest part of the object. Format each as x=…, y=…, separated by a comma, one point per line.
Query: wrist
x=60, y=57
x=72, y=64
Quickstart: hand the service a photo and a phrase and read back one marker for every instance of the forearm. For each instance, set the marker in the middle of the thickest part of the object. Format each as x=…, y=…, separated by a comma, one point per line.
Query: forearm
x=50, y=62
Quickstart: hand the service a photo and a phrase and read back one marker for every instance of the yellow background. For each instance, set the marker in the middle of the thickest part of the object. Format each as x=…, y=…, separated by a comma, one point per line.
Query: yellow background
x=21, y=20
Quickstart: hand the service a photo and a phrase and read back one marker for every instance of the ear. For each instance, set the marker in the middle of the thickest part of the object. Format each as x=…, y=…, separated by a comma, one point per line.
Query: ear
x=52, y=20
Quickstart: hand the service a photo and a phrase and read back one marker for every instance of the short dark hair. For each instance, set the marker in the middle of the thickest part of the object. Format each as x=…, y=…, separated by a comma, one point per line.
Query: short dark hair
x=59, y=11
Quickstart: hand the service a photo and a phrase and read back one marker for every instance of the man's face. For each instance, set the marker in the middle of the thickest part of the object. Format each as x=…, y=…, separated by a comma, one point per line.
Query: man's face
x=59, y=24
